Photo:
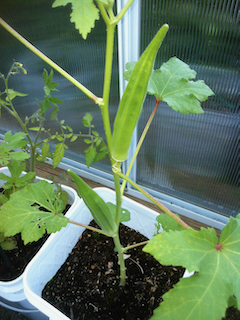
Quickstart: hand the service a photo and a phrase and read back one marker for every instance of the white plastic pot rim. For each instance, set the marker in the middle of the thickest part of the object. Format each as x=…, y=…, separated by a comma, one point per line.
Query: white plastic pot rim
x=13, y=290
x=47, y=262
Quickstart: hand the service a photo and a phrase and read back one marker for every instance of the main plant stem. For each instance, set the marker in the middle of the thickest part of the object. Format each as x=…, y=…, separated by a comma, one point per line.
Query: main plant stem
x=111, y=22
x=121, y=261
x=107, y=84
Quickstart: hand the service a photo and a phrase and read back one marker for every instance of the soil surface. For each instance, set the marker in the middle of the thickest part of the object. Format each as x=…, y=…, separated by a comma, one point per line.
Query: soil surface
x=87, y=285
x=17, y=259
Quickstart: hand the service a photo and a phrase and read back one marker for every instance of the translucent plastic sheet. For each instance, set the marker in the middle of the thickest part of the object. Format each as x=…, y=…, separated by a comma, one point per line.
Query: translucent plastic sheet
x=196, y=157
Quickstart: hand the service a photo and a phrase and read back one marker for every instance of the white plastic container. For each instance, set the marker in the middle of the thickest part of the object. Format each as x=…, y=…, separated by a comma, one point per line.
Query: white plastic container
x=47, y=262
x=11, y=292
x=33, y=314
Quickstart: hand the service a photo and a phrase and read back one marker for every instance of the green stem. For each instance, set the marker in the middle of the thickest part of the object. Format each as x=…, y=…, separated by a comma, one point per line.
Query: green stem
x=118, y=198
x=32, y=159
x=87, y=227
x=50, y=62
x=121, y=260
x=157, y=203
x=107, y=84
x=14, y=113
x=140, y=144
x=135, y=245
x=124, y=10
x=103, y=13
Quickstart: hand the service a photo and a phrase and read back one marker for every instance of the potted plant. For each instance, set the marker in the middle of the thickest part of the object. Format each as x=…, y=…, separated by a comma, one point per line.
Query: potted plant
x=19, y=152
x=215, y=283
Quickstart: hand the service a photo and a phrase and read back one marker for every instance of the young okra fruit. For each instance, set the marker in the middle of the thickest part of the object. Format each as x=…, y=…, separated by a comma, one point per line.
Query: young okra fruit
x=130, y=107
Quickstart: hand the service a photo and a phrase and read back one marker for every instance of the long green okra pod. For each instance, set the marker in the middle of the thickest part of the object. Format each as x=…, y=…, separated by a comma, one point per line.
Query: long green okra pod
x=130, y=107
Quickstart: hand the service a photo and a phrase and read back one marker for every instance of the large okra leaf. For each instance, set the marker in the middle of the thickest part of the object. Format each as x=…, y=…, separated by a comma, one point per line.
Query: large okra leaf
x=173, y=84
x=32, y=211
x=205, y=295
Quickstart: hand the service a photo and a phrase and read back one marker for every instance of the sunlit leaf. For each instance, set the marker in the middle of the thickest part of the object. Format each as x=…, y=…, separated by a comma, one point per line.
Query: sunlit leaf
x=217, y=262
x=87, y=119
x=173, y=84
x=90, y=154
x=58, y=153
x=84, y=13
x=24, y=212
x=168, y=223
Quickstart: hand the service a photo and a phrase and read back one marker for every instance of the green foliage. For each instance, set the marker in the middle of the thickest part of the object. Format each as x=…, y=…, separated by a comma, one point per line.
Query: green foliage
x=7, y=243
x=9, y=143
x=97, y=149
x=130, y=106
x=216, y=282
x=204, y=295
x=124, y=214
x=16, y=179
x=84, y=14
x=35, y=209
x=167, y=223
x=172, y=84
x=3, y=199
x=11, y=94
x=98, y=208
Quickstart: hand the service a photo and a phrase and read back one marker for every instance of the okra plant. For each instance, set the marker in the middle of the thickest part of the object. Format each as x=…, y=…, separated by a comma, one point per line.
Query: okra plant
x=216, y=282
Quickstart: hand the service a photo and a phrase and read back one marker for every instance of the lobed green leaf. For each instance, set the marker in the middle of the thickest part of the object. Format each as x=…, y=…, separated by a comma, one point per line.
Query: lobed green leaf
x=15, y=179
x=172, y=84
x=23, y=212
x=84, y=13
x=217, y=263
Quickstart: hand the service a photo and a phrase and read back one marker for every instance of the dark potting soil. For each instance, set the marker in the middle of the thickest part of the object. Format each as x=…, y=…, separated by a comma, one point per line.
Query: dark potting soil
x=20, y=257
x=87, y=285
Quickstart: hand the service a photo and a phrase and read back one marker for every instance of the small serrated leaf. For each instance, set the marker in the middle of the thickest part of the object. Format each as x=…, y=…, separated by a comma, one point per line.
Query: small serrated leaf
x=69, y=128
x=100, y=156
x=74, y=138
x=58, y=154
x=13, y=94
x=84, y=13
x=95, y=133
x=87, y=141
x=90, y=154
x=87, y=119
x=55, y=101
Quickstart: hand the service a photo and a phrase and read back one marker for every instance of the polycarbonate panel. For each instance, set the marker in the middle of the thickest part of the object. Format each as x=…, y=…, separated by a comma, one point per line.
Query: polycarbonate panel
x=51, y=31
x=195, y=158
